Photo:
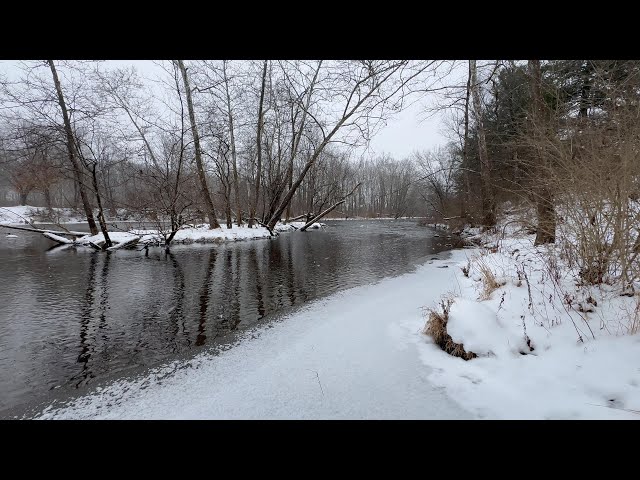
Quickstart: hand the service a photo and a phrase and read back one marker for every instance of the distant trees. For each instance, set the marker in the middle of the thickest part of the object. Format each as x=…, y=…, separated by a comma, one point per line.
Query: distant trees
x=204, y=189
x=35, y=165
x=560, y=137
x=270, y=140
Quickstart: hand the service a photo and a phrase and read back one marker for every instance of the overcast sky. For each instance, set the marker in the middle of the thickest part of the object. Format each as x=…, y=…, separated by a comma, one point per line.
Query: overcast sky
x=405, y=133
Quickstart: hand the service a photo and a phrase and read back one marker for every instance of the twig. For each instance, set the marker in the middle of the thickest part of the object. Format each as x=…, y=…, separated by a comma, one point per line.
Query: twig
x=318, y=377
x=637, y=412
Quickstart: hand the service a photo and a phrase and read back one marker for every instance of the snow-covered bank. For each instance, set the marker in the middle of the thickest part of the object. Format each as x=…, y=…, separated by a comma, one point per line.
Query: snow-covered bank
x=13, y=216
x=371, y=218
x=346, y=356
x=22, y=214
x=584, y=362
x=198, y=234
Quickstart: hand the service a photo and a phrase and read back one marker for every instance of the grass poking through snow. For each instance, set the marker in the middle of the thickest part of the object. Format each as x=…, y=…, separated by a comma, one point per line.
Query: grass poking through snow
x=436, y=328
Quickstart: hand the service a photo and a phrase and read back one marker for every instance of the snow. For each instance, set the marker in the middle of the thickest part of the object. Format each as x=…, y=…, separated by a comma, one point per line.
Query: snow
x=200, y=234
x=547, y=349
x=479, y=329
x=116, y=237
x=197, y=234
x=27, y=213
x=57, y=238
x=348, y=356
x=563, y=377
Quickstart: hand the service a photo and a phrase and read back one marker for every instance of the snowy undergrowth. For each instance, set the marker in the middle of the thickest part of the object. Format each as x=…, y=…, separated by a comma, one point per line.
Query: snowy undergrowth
x=548, y=347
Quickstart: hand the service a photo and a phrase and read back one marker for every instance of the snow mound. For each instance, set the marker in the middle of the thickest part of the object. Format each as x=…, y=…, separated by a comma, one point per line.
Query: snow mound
x=478, y=328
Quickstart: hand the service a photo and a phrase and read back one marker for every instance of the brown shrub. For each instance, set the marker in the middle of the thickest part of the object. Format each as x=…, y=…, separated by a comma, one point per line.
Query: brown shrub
x=489, y=280
x=436, y=328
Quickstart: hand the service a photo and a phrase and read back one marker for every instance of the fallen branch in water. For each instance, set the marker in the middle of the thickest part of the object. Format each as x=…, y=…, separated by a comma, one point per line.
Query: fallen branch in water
x=265, y=226
x=297, y=218
x=128, y=244
x=42, y=230
x=57, y=238
x=328, y=210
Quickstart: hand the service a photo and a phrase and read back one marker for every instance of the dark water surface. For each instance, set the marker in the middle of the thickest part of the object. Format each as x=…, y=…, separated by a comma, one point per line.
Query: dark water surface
x=71, y=317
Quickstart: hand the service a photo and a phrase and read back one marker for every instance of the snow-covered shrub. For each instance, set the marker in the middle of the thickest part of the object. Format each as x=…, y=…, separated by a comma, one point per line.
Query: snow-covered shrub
x=436, y=328
x=597, y=183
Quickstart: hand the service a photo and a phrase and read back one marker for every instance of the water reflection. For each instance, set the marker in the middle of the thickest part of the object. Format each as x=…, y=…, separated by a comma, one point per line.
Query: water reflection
x=73, y=316
x=205, y=293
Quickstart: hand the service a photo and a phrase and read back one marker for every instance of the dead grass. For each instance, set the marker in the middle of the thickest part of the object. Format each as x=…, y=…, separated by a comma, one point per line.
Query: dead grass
x=489, y=281
x=634, y=323
x=436, y=328
x=630, y=316
x=466, y=269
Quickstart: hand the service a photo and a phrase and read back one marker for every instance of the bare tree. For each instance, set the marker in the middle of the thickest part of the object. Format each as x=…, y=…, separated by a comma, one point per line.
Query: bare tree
x=546, y=229
x=488, y=200
x=206, y=196
x=259, y=128
x=232, y=140
x=71, y=148
x=361, y=87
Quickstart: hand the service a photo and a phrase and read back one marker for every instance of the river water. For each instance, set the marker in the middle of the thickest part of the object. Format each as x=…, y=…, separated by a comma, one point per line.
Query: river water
x=70, y=318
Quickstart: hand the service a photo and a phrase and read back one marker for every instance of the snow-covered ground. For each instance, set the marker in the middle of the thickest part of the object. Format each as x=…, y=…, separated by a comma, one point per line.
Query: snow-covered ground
x=349, y=356
x=193, y=234
x=584, y=362
x=199, y=234
x=26, y=213
x=547, y=349
x=361, y=354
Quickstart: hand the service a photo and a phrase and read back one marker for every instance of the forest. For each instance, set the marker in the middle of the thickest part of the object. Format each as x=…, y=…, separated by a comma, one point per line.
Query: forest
x=256, y=142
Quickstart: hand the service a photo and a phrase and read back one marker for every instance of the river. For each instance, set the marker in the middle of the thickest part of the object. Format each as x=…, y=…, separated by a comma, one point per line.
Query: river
x=70, y=318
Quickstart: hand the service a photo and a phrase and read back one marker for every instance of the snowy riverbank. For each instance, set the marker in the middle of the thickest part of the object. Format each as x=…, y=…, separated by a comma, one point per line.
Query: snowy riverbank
x=197, y=234
x=546, y=349
x=22, y=214
x=187, y=234
x=581, y=358
x=349, y=355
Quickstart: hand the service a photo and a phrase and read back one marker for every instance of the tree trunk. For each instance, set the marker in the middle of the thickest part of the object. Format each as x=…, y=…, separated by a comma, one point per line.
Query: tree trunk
x=290, y=175
x=234, y=161
x=103, y=224
x=466, y=197
x=254, y=203
x=328, y=210
x=584, y=91
x=206, y=196
x=23, y=198
x=488, y=200
x=75, y=195
x=546, y=228
x=275, y=215
x=47, y=198
x=71, y=149
x=227, y=209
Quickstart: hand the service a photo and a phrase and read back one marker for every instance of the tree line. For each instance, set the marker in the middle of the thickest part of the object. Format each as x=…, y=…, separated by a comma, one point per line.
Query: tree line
x=248, y=142
x=561, y=139
x=256, y=142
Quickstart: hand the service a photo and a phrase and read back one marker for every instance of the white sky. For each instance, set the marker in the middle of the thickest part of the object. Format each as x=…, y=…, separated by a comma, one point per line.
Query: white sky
x=407, y=132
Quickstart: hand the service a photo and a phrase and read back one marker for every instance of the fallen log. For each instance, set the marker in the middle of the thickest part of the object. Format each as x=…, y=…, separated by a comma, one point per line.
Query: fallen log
x=328, y=210
x=57, y=238
x=42, y=230
x=297, y=218
x=128, y=244
x=94, y=246
x=265, y=226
